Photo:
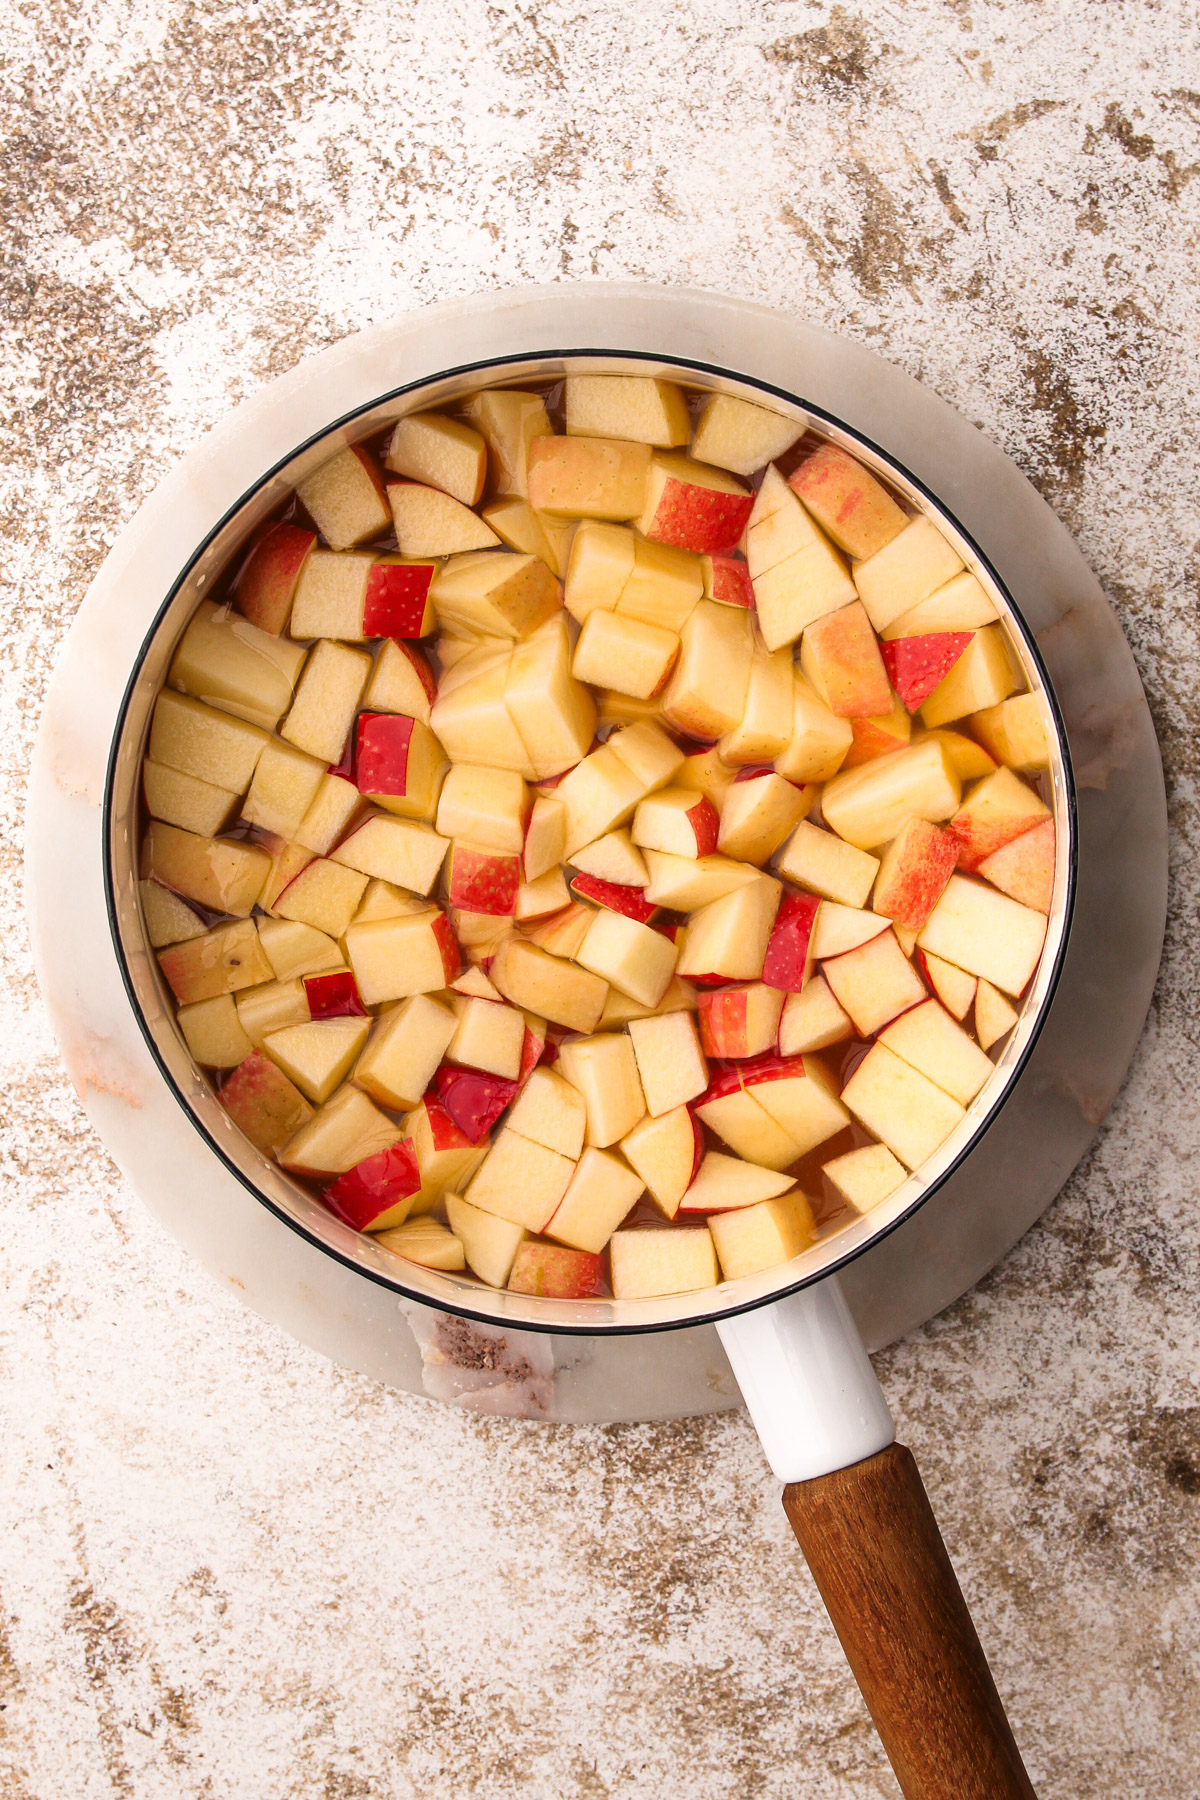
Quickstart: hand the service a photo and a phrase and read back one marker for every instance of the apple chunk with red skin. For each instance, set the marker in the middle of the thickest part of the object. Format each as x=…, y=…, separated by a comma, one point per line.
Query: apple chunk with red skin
x=666, y=1153
x=789, y=958
x=556, y=1272
x=840, y=657
x=998, y=809
x=615, y=896
x=482, y=881
x=263, y=1103
x=677, y=821
x=1024, y=868
x=334, y=995
x=913, y=873
x=737, y=1022
x=693, y=506
x=727, y=580
x=402, y=682
x=378, y=1192
x=266, y=582
x=398, y=763
x=415, y=953
x=916, y=665
x=474, y=1100
x=847, y=501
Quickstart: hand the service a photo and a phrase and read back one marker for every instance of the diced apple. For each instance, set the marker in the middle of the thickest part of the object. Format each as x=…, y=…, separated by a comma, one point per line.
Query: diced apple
x=554, y=714
x=986, y=933
x=879, y=736
x=346, y=1131
x=263, y=1103
x=693, y=505
x=819, y=741
x=333, y=994
x=520, y=528
x=474, y=984
x=726, y=1182
x=404, y=1051
x=985, y=674
x=272, y=1006
x=740, y=1021
x=916, y=562
x=482, y=881
x=199, y=740
x=440, y=452
x=538, y=899
x=706, y=772
x=393, y=958
x=402, y=851
x=812, y=1020
x=998, y=809
x=737, y=435
x=346, y=595
x=994, y=1017
x=928, y=1038
x=345, y=498
x=847, y=501
x=1024, y=868
x=383, y=901
x=685, y=884
x=545, y=836
x=604, y=1069
x=489, y=1036
x=666, y=1153
x=639, y=407
x=286, y=782
x=474, y=1099
x=827, y=865
x=669, y=1059
x=493, y=593
x=797, y=574
x=588, y=478
x=624, y=654
x=791, y=949
x=614, y=896
x=294, y=949
x=402, y=681
x=430, y=523
x=656, y=1262
x=323, y=895
x=799, y=1095
x=266, y=582
x=318, y=1056
x=556, y=1272
x=167, y=919
x=840, y=929
x=757, y=815
x=648, y=752
x=969, y=760
x=509, y=420
x=186, y=801
x=446, y=1157
x=840, y=658
x=619, y=1008
x=326, y=700
x=874, y=983
x=960, y=604
x=1014, y=732
x=532, y=978
x=226, y=662
x=599, y=793
x=766, y=726
x=677, y=821
x=424, y=1241
x=213, y=1034
x=867, y=1176
x=613, y=859
x=953, y=987
x=635, y=958
x=762, y=1236
x=900, y=1106
x=472, y=721
x=663, y=586
x=600, y=565
x=488, y=806
x=550, y=1111
x=913, y=873
x=727, y=580
x=867, y=806
x=916, y=665
x=602, y=1191
x=336, y=808
x=489, y=1244
x=729, y=937
x=521, y=1181
x=222, y=874
x=732, y=1111
x=564, y=933
x=706, y=694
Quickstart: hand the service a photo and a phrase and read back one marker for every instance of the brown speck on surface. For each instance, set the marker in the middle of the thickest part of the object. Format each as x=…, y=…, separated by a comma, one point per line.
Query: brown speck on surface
x=231, y=1571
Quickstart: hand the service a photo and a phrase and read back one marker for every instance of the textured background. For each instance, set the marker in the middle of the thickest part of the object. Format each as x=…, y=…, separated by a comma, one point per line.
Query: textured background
x=229, y=1569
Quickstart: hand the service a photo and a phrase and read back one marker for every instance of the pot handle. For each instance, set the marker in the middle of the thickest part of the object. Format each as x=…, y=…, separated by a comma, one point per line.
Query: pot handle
x=860, y=1512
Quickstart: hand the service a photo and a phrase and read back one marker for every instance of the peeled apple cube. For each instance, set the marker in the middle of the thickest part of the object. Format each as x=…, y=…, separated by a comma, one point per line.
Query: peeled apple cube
x=647, y=1263
x=226, y=662
x=900, y=1106
x=663, y=586
x=706, y=694
x=762, y=1236
x=318, y=1056
x=430, y=523
x=588, y=478
x=326, y=700
x=204, y=742
x=639, y=407
x=913, y=565
x=736, y=435
x=489, y=1244
x=222, y=874
x=509, y=421
x=186, y=801
x=345, y=498
x=868, y=805
x=867, y=1176
x=495, y=594
x=441, y=452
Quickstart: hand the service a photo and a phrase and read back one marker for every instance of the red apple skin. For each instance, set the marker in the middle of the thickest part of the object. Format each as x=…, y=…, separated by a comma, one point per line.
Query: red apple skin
x=473, y=1100
x=723, y=1022
x=614, y=896
x=381, y=744
x=919, y=882
x=916, y=665
x=397, y=603
x=698, y=1146
x=533, y=1051
x=444, y=1133
x=334, y=995
x=373, y=1186
x=421, y=667
x=731, y=582
x=556, y=1273
x=723, y=1081
x=694, y=518
x=484, y=881
x=786, y=961
x=263, y=1103
x=447, y=943
x=706, y=825
x=266, y=582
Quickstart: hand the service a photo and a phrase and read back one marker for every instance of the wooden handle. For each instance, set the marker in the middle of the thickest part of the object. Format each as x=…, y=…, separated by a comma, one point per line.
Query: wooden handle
x=872, y=1543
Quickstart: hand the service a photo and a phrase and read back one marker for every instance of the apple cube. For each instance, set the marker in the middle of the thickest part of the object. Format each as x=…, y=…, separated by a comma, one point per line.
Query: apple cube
x=909, y=568
x=987, y=934
x=913, y=873
x=916, y=665
x=953, y=987
x=732, y=1111
x=960, y=604
x=212, y=1033
x=538, y=899
x=430, y=523
x=345, y=498
x=564, y=933
x=635, y=958
x=799, y=1095
x=624, y=654
x=489, y=1244
x=686, y=884
x=737, y=435
x=879, y=736
x=666, y=1153
x=1024, y=868
x=656, y=1262
x=224, y=660
x=614, y=860
x=424, y=1241
x=336, y=807
x=474, y=984
x=521, y=1181
x=670, y=1062
x=605, y=1071
x=677, y=821
x=402, y=682
x=266, y=582
x=600, y=565
x=765, y=728
x=550, y=1111
x=532, y=978
x=819, y=741
x=326, y=700
x=224, y=875
x=383, y=901
x=482, y=881
x=847, y=501
x=263, y=1103
x=828, y=866
x=614, y=896
x=619, y=1008
x=757, y=815
x=521, y=529
x=545, y=836
x=495, y=594
x=401, y=851
x=900, y=1106
x=740, y=1021
x=707, y=772
x=393, y=958
x=474, y=1100
x=602, y=1191
x=488, y=806
x=346, y=594
x=812, y=1020
x=867, y=1176
x=403, y=1052
x=333, y=994
x=874, y=983
x=272, y=1006
x=762, y=1236
x=726, y=1182
x=706, y=695
x=663, y=586
x=998, y=809
x=186, y=801
x=797, y=574
x=985, y=674
x=729, y=937
x=166, y=918
x=791, y=948
x=638, y=407
x=323, y=895
x=994, y=1017
x=509, y=421
x=693, y=505
x=928, y=1038
x=840, y=658
x=554, y=714
x=489, y=1036
x=441, y=453
x=969, y=760
x=318, y=1056
x=555, y=1272
x=587, y=478
x=344, y=1132
x=200, y=741
x=842, y=928
x=1014, y=732
x=622, y=709
x=868, y=806
x=648, y=752
x=599, y=793
x=446, y=1157
x=472, y=721
x=286, y=782
x=727, y=580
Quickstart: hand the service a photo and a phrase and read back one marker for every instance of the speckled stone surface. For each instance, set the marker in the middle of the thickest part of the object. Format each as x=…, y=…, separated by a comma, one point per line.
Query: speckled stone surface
x=231, y=1571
